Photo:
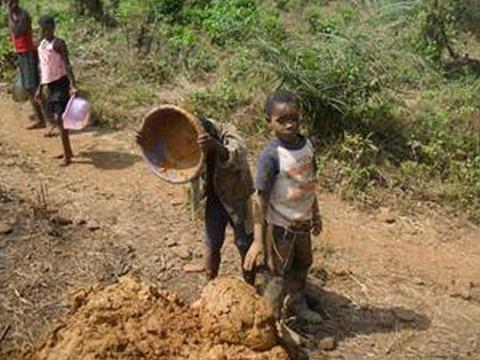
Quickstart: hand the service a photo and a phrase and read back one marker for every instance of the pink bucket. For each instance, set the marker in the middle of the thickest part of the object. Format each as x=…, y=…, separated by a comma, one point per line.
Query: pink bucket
x=77, y=113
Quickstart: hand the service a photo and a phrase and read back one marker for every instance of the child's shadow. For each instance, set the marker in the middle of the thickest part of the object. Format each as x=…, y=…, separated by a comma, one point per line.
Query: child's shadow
x=344, y=319
x=109, y=160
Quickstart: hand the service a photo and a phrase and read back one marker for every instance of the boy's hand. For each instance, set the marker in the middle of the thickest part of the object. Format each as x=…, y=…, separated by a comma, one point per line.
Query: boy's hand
x=317, y=225
x=206, y=143
x=253, y=259
x=38, y=97
x=73, y=91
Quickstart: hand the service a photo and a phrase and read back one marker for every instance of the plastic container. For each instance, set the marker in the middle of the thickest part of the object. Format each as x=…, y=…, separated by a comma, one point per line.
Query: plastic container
x=168, y=141
x=19, y=94
x=76, y=114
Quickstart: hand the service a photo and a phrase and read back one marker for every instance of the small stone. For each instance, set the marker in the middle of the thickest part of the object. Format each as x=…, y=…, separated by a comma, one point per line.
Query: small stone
x=176, y=202
x=170, y=242
x=93, y=226
x=418, y=281
x=61, y=221
x=193, y=268
x=462, y=290
x=216, y=353
x=327, y=344
x=6, y=228
x=405, y=315
x=386, y=216
x=461, y=294
x=183, y=252
x=185, y=238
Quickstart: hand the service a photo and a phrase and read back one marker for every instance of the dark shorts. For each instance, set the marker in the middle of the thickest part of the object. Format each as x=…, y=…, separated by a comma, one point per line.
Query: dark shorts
x=58, y=96
x=28, y=65
x=216, y=221
x=291, y=250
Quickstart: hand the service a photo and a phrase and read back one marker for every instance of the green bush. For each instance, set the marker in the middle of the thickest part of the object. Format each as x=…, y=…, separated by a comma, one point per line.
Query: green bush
x=371, y=76
x=358, y=159
x=229, y=19
x=217, y=101
x=6, y=50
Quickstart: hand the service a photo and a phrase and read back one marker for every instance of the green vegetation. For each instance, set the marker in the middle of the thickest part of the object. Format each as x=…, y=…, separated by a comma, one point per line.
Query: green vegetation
x=389, y=96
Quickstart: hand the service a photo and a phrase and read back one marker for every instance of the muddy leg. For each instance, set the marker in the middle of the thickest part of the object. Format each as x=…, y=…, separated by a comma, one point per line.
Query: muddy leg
x=216, y=220
x=212, y=262
x=248, y=276
x=40, y=119
x=296, y=278
x=67, y=149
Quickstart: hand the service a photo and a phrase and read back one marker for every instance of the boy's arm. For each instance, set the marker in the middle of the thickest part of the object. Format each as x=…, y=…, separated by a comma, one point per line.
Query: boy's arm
x=228, y=145
x=61, y=47
x=267, y=171
x=317, y=224
x=232, y=150
x=254, y=255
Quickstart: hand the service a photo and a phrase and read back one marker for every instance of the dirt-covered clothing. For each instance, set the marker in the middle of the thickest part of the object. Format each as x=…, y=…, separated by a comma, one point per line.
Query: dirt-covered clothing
x=287, y=174
x=230, y=179
x=289, y=253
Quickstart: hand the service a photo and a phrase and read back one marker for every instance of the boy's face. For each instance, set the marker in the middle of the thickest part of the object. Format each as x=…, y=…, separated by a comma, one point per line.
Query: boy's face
x=47, y=32
x=285, y=121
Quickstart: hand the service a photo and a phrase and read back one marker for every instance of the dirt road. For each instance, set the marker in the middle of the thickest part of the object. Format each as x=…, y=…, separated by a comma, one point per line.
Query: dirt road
x=394, y=287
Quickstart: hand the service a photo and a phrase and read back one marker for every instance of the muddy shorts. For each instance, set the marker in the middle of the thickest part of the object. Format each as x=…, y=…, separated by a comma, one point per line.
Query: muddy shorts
x=216, y=221
x=28, y=65
x=58, y=96
x=289, y=254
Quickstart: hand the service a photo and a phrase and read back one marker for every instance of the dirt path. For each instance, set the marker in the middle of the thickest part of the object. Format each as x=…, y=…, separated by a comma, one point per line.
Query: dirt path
x=394, y=287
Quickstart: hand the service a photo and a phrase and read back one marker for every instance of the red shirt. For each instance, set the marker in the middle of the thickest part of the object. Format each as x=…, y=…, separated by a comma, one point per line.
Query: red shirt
x=21, y=32
x=24, y=42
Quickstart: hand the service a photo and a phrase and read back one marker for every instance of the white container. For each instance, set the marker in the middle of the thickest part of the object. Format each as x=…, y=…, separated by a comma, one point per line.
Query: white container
x=77, y=113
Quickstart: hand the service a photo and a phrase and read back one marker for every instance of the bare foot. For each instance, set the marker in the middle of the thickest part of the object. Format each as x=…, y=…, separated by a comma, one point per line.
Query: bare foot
x=65, y=162
x=51, y=133
x=37, y=125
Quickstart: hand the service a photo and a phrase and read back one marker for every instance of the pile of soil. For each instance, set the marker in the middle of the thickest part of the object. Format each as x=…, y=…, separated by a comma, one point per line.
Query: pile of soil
x=237, y=315
x=132, y=320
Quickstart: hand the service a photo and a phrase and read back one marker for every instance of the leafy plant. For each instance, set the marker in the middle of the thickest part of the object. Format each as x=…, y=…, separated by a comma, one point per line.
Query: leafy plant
x=229, y=19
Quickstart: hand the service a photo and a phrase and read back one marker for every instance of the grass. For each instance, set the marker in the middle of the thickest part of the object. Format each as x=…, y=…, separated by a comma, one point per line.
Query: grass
x=380, y=98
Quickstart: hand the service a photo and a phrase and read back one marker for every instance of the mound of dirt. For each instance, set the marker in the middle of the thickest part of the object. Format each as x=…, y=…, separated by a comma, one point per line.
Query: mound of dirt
x=237, y=315
x=132, y=320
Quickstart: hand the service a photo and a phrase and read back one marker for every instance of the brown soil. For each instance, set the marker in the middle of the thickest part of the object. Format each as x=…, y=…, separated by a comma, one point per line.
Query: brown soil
x=237, y=315
x=169, y=140
x=389, y=285
x=131, y=320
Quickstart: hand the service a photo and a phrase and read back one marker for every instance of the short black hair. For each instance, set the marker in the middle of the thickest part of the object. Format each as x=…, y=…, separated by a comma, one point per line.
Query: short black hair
x=47, y=21
x=280, y=97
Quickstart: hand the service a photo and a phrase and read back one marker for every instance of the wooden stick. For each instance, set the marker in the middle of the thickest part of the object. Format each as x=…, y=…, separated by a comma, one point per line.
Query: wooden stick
x=4, y=332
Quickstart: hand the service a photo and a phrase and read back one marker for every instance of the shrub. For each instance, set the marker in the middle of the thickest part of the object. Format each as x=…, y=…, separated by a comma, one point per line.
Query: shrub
x=229, y=19
x=6, y=54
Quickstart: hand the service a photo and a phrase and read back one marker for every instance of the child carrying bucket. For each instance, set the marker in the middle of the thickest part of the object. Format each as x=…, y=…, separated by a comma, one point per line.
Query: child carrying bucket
x=179, y=147
x=57, y=76
x=229, y=186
